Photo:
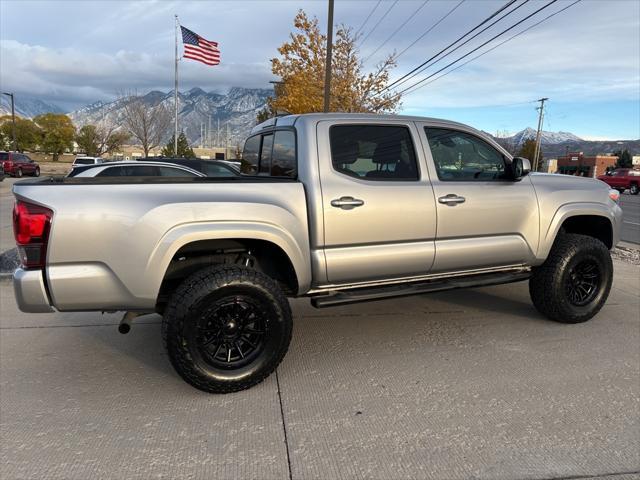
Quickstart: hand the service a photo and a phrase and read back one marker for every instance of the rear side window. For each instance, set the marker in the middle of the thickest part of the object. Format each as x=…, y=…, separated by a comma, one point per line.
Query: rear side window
x=251, y=155
x=265, y=154
x=373, y=152
x=283, y=161
x=174, y=172
x=4, y=156
x=130, y=171
x=271, y=153
x=214, y=170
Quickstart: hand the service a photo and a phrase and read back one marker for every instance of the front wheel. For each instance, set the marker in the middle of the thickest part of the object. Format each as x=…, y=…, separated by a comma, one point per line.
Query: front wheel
x=633, y=189
x=572, y=285
x=227, y=328
x=19, y=173
x=36, y=172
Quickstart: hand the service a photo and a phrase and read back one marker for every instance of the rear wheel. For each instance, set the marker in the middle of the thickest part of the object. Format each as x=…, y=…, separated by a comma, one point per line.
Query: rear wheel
x=572, y=285
x=633, y=189
x=227, y=328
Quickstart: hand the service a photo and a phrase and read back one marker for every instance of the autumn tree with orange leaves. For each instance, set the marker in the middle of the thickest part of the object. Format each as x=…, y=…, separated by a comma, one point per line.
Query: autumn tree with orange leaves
x=301, y=67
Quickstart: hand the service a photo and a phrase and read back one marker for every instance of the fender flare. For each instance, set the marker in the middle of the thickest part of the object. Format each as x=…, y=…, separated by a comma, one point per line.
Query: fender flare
x=184, y=234
x=564, y=212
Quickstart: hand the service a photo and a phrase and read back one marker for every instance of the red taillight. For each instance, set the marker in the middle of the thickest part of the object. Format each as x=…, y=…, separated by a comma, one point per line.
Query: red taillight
x=31, y=225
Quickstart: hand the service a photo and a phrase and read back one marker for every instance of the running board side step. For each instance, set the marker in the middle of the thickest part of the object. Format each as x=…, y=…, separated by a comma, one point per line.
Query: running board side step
x=367, y=294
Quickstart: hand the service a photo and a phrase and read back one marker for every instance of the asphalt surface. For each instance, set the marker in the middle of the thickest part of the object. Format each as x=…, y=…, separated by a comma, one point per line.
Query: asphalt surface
x=631, y=218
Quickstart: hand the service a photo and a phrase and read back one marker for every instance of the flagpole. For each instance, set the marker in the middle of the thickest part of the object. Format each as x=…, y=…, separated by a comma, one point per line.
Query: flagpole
x=175, y=93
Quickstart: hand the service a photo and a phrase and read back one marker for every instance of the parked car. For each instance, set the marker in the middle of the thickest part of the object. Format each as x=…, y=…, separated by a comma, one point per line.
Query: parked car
x=622, y=179
x=18, y=164
x=133, y=169
x=211, y=168
x=82, y=160
x=348, y=208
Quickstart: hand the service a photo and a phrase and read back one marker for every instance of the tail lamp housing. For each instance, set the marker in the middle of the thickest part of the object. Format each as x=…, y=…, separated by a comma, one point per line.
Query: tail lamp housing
x=31, y=226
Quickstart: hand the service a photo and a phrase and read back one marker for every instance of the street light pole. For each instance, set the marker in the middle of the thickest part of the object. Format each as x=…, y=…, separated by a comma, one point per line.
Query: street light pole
x=13, y=121
x=327, y=67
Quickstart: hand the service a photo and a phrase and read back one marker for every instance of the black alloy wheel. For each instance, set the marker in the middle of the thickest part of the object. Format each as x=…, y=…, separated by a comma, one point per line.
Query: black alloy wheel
x=231, y=331
x=582, y=282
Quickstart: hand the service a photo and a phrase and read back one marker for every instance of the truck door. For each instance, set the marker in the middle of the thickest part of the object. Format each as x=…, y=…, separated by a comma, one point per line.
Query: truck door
x=378, y=205
x=484, y=219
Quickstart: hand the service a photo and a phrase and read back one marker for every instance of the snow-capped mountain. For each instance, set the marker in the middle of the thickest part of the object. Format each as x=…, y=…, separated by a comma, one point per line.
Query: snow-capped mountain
x=545, y=137
x=237, y=110
x=27, y=107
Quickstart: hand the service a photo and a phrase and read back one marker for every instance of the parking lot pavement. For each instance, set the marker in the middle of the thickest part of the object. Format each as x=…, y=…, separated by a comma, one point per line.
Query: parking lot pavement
x=6, y=206
x=461, y=384
x=631, y=218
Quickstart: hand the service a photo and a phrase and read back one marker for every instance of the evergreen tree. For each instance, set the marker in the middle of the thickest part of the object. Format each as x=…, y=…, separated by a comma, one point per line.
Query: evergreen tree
x=184, y=150
x=624, y=159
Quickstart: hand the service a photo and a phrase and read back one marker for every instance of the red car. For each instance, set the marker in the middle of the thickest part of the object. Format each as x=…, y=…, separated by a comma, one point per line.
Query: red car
x=18, y=164
x=623, y=178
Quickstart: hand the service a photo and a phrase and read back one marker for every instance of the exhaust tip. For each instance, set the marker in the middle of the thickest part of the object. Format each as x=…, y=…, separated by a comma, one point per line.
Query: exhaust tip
x=124, y=328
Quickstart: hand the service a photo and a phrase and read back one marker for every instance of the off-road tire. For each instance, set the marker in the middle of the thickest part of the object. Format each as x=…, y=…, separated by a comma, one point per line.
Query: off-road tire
x=207, y=289
x=548, y=284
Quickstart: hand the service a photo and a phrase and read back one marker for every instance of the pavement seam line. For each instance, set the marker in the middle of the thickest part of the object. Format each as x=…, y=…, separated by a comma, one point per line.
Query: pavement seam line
x=284, y=426
x=597, y=475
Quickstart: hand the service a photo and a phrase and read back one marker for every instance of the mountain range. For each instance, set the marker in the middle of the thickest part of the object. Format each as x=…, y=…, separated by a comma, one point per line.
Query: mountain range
x=27, y=107
x=237, y=110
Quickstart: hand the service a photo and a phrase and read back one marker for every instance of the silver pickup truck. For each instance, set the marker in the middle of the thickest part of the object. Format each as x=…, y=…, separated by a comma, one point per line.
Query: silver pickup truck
x=340, y=208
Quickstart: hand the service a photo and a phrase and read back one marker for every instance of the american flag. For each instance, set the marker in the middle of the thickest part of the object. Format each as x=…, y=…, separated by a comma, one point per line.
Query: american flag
x=198, y=48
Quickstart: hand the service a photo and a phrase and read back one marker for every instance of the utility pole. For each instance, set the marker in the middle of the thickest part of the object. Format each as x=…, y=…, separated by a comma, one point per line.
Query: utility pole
x=226, y=143
x=13, y=122
x=327, y=68
x=209, y=133
x=538, y=133
x=218, y=134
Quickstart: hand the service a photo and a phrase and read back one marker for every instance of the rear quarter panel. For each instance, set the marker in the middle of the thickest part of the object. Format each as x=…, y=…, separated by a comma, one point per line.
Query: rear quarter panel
x=110, y=245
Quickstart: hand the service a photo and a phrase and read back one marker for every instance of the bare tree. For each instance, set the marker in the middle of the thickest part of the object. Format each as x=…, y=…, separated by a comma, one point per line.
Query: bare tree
x=149, y=125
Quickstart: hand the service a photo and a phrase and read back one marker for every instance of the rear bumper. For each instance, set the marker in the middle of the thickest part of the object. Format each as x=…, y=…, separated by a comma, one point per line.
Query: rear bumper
x=30, y=292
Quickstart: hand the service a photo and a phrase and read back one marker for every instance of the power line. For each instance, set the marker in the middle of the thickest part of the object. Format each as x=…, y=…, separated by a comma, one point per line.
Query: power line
x=498, y=45
x=397, y=30
x=430, y=28
x=379, y=22
x=497, y=12
x=479, y=47
x=368, y=17
x=430, y=63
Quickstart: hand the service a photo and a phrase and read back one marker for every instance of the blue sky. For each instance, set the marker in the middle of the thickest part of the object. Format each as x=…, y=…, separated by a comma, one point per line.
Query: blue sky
x=586, y=60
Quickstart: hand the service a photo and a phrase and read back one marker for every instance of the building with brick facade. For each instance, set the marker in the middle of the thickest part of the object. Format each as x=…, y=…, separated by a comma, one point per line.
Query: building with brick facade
x=577, y=163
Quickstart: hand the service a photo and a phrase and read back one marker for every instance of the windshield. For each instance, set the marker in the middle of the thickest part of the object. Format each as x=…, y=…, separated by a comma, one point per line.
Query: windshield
x=84, y=161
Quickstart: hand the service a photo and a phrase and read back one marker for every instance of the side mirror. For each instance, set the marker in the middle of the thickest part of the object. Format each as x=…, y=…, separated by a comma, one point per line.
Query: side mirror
x=519, y=167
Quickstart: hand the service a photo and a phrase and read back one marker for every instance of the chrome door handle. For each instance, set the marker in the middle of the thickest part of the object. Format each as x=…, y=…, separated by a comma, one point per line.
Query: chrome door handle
x=451, y=199
x=346, y=203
